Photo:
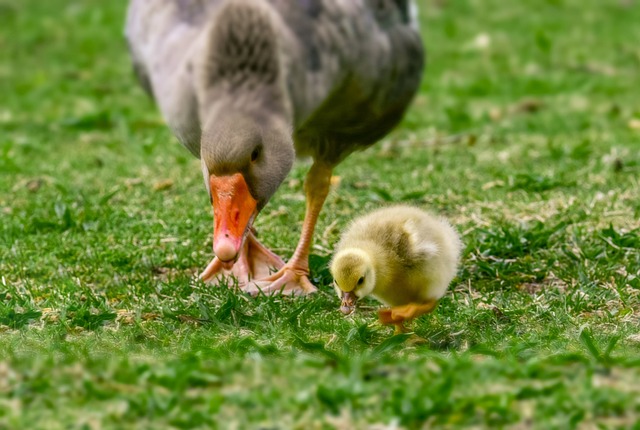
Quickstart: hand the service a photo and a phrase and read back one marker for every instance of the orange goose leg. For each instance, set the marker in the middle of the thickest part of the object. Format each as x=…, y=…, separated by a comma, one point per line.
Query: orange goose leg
x=293, y=277
x=254, y=262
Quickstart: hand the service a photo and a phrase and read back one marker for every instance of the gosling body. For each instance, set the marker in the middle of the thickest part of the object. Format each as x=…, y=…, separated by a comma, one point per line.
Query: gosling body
x=400, y=255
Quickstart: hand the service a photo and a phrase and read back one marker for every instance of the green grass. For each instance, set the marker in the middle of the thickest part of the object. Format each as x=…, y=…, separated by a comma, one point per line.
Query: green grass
x=526, y=134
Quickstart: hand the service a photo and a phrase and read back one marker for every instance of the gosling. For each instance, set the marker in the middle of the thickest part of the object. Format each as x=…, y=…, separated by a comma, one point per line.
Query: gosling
x=402, y=256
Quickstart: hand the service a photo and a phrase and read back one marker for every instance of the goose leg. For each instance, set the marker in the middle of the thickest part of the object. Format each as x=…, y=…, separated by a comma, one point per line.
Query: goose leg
x=293, y=277
x=254, y=262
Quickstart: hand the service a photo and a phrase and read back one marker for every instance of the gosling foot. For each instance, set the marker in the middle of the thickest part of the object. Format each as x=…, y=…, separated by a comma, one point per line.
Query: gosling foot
x=398, y=315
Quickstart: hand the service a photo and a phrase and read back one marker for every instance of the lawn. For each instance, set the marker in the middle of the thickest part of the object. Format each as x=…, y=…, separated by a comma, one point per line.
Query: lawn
x=526, y=134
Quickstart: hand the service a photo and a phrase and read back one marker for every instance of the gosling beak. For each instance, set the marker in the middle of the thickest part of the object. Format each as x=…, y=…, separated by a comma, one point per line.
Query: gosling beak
x=234, y=209
x=348, y=304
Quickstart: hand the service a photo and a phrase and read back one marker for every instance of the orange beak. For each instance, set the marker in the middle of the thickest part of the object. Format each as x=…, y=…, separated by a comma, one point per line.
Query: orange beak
x=233, y=211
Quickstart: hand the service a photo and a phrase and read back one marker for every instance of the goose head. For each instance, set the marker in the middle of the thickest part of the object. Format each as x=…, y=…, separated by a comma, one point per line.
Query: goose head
x=245, y=157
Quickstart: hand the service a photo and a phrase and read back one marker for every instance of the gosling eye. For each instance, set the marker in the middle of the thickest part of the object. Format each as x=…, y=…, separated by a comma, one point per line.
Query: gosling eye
x=361, y=280
x=255, y=154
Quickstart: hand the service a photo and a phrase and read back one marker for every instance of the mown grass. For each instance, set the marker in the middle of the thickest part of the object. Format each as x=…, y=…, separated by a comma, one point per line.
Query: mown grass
x=526, y=134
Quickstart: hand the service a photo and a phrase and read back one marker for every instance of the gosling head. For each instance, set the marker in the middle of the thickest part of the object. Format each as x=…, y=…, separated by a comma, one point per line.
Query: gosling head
x=354, y=277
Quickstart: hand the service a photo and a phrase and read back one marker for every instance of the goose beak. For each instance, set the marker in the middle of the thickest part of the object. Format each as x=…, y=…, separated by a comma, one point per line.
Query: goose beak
x=348, y=302
x=234, y=209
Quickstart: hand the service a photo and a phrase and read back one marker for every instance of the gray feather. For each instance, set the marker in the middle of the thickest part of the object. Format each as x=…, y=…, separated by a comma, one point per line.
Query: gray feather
x=346, y=69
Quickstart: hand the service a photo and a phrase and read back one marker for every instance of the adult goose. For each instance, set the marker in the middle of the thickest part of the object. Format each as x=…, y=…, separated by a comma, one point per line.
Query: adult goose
x=248, y=85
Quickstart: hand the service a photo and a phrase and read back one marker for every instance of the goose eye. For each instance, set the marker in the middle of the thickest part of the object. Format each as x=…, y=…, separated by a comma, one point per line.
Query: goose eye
x=361, y=280
x=255, y=154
